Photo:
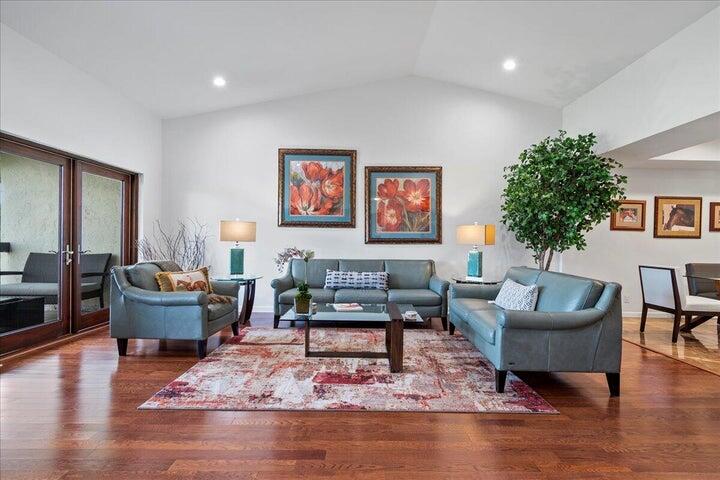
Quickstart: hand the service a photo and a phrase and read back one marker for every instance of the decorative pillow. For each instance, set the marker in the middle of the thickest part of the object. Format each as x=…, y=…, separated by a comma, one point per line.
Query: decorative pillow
x=367, y=280
x=192, y=281
x=514, y=296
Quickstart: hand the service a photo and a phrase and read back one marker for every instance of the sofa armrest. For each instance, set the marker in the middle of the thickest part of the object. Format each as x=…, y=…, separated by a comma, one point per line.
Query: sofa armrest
x=168, y=299
x=440, y=286
x=225, y=287
x=533, y=320
x=468, y=290
x=283, y=283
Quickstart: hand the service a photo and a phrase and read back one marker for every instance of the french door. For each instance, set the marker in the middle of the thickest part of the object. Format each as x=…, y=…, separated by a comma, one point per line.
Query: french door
x=64, y=222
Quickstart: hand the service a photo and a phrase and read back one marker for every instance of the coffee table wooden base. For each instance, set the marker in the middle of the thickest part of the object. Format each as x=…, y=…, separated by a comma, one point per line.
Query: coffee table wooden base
x=393, y=343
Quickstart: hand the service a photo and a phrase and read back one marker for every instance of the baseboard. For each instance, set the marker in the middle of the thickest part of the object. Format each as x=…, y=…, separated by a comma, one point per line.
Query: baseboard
x=651, y=314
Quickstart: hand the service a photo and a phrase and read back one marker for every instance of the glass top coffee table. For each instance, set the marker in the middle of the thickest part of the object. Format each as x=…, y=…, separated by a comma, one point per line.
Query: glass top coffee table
x=390, y=314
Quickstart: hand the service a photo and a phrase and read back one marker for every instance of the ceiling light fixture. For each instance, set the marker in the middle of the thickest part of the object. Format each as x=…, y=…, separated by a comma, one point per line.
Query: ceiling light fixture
x=509, y=64
x=219, y=81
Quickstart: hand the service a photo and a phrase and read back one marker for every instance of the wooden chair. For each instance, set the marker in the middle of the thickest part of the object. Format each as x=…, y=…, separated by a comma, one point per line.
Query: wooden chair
x=662, y=291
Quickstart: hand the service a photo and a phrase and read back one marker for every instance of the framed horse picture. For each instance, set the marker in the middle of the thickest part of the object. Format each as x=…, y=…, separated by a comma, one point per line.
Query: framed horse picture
x=678, y=217
x=630, y=216
x=316, y=188
x=715, y=216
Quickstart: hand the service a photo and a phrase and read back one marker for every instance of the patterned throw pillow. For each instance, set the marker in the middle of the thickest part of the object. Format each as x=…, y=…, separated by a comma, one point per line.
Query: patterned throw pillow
x=366, y=280
x=514, y=296
x=192, y=281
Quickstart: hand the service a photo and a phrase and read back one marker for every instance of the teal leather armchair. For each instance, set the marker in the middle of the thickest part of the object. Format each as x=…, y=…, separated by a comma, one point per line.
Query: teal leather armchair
x=138, y=309
x=576, y=327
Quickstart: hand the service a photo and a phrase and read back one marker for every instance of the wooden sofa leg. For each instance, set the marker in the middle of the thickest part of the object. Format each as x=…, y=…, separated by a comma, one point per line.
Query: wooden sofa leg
x=276, y=321
x=122, y=346
x=613, y=380
x=235, y=327
x=444, y=322
x=201, y=348
x=500, y=377
x=451, y=328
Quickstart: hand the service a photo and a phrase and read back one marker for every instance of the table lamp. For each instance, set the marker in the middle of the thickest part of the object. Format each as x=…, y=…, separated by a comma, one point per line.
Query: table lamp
x=237, y=231
x=475, y=235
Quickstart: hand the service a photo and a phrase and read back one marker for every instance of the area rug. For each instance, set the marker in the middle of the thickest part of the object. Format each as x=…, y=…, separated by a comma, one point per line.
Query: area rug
x=265, y=369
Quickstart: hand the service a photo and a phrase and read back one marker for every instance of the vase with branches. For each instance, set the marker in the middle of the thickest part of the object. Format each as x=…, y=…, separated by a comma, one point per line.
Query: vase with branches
x=186, y=244
x=559, y=191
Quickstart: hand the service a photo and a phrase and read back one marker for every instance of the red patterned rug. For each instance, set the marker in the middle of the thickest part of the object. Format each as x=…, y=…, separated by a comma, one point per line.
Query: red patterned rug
x=265, y=369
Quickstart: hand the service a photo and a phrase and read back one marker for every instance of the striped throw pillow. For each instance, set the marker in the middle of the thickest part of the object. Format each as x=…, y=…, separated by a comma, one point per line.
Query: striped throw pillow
x=361, y=280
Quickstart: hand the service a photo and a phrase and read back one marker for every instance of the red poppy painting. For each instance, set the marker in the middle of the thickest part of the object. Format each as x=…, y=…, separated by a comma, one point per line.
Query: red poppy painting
x=403, y=204
x=317, y=188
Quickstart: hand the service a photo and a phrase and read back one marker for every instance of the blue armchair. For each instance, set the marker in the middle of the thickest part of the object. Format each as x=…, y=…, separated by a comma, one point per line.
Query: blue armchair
x=138, y=309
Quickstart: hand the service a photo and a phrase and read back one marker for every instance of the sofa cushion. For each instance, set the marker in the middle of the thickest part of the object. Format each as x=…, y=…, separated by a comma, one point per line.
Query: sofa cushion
x=319, y=295
x=414, y=296
x=362, y=265
x=142, y=276
x=523, y=275
x=217, y=310
x=316, y=269
x=409, y=273
x=353, y=295
x=465, y=306
x=483, y=322
x=559, y=292
x=360, y=280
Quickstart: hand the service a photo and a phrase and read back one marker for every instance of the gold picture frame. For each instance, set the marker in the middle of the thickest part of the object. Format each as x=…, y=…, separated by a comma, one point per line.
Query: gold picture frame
x=629, y=216
x=678, y=217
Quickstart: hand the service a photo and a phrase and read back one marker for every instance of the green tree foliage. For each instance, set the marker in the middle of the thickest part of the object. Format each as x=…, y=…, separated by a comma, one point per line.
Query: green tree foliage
x=558, y=192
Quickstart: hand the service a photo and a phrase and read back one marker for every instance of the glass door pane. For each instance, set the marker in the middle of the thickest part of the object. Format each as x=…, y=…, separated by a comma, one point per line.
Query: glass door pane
x=100, y=245
x=32, y=258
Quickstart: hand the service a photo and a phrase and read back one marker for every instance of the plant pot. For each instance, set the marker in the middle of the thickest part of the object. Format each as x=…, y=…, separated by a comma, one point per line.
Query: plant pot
x=302, y=306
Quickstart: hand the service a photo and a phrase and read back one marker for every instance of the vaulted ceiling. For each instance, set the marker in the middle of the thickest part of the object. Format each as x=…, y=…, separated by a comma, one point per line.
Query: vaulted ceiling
x=163, y=54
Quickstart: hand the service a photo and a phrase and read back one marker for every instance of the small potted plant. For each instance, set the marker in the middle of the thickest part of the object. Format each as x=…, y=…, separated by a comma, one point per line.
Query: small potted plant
x=302, y=299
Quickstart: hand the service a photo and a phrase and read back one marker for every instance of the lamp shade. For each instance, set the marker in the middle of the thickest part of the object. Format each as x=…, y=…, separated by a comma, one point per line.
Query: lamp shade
x=476, y=234
x=237, y=231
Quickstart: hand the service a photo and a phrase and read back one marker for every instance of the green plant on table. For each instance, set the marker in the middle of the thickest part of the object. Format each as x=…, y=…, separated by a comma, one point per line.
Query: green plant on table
x=302, y=298
x=558, y=192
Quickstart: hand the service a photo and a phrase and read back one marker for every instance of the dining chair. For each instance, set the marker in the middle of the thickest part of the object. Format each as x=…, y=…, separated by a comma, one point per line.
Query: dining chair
x=662, y=291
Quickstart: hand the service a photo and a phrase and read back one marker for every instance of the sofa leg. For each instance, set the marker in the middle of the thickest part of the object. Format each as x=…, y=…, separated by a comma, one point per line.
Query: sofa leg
x=444, y=322
x=613, y=380
x=500, y=377
x=201, y=348
x=122, y=346
x=451, y=328
x=276, y=321
x=235, y=327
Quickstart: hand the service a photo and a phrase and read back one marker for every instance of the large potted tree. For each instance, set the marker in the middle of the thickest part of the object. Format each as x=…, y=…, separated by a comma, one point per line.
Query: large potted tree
x=559, y=191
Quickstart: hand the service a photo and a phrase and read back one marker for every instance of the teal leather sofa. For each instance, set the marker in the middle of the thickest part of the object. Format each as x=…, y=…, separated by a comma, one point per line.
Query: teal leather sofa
x=576, y=327
x=138, y=309
x=411, y=281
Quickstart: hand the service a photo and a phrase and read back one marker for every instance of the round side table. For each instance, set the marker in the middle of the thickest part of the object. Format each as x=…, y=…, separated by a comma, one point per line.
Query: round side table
x=248, y=281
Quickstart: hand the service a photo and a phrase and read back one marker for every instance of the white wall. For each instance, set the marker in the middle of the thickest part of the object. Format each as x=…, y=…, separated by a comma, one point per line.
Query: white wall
x=47, y=100
x=673, y=84
x=223, y=165
x=615, y=255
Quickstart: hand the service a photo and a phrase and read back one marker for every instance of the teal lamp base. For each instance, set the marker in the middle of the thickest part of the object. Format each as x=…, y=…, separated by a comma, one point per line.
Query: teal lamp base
x=237, y=261
x=474, y=263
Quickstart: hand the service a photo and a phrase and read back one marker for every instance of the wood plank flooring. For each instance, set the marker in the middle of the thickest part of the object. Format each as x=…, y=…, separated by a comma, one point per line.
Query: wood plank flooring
x=699, y=347
x=70, y=413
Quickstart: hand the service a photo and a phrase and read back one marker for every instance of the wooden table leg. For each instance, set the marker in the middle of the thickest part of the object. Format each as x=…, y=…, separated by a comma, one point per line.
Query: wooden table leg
x=307, y=337
x=388, y=334
x=396, y=345
x=247, y=302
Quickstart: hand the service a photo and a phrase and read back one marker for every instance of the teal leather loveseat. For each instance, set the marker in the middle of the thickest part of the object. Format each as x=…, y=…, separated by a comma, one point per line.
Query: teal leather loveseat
x=411, y=281
x=138, y=309
x=576, y=327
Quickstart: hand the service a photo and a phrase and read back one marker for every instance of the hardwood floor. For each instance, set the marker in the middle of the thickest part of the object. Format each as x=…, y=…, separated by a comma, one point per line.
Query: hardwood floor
x=699, y=347
x=70, y=413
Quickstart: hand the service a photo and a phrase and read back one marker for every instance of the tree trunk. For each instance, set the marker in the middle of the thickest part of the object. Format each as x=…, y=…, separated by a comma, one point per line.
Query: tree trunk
x=541, y=259
x=549, y=261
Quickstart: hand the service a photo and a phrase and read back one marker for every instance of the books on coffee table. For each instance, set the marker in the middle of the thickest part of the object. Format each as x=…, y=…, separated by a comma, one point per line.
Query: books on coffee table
x=347, y=307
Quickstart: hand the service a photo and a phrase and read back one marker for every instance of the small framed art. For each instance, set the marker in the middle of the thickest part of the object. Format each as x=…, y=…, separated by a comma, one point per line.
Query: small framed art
x=629, y=216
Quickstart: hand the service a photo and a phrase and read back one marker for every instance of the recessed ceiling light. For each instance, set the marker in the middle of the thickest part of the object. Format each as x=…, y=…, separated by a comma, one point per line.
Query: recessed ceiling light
x=509, y=64
x=219, y=81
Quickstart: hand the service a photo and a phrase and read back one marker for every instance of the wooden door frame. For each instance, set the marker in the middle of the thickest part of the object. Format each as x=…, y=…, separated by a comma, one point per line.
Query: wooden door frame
x=74, y=165
x=36, y=334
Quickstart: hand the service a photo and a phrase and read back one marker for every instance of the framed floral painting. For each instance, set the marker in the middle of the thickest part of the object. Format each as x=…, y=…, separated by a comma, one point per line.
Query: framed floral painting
x=316, y=188
x=630, y=215
x=403, y=204
x=678, y=217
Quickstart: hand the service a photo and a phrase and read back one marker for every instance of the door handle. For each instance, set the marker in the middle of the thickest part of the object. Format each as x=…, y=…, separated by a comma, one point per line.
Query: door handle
x=68, y=254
